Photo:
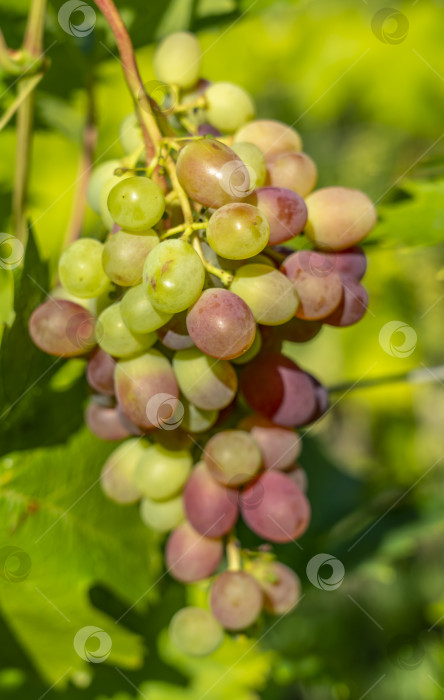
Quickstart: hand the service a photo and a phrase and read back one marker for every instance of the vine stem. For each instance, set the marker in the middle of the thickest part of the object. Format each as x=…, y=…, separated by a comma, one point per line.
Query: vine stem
x=414, y=376
x=188, y=228
x=234, y=559
x=224, y=276
x=150, y=128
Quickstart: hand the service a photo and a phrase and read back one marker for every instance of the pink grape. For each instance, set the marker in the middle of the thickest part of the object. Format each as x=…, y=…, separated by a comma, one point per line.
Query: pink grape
x=280, y=585
x=285, y=211
x=280, y=447
x=221, y=324
x=319, y=290
x=190, y=556
x=62, y=328
x=275, y=508
x=210, y=507
x=236, y=600
x=104, y=422
x=271, y=136
x=100, y=372
x=350, y=263
x=353, y=306
x=174, y=334
x=296, y=171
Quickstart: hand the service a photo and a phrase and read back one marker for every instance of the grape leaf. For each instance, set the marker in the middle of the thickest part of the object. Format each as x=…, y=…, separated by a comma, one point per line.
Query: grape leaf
x=69, y=537
x=417, y=220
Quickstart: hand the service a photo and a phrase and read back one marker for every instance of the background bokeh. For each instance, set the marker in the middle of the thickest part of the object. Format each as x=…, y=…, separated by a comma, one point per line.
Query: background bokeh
x=367, y=99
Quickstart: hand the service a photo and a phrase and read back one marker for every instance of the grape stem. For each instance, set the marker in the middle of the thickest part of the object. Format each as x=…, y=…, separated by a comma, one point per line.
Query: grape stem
x=187, y=228
x=200, y=103
x=234, y=559
x=224, y=276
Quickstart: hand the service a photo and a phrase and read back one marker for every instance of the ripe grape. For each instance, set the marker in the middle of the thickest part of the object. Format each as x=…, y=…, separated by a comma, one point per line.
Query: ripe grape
x=271, y=136
x=104, y=421
x=161, y=473
x=353, y=306
x=339, y=217
x=285, y=211
x=130, y=134
x=177, y=60
x=205, y=382
x=238, y=231
x=62, y=328
x=99, y=177
x=236, y=600
x=221, y=324
x=116, y=339
x=190, y=556
x=252, y=351
x=138, y=313
x=136, y=204
x=294, y=331
x=212, y=174
x=280, y=585
x=349, y=263
x=254, y=159
x=210, y=507
x=173, y=276
x=228, y=106
x=280, y=447
x=117, y=474
x=140, y=380
x=197, y=420
x=100, y=372
x=275, y=508
x=80, y=268
x=195, y=631
x=174, y=334
x=233, y=457
x=319, y=289
x=162, y=516
x=124, y=255
x=269, y=294
x=275, y=387
x=296, y=171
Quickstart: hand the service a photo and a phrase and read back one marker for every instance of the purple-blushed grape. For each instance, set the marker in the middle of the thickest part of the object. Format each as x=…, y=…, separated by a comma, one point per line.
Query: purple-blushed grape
x=271, y=136
x=62, y=328
x=319, y=289
x=295, y=171
x=294, y=331
x=124, y=255
x=285, y=211
x=221, y=324
x=353, y=306
x=104, y=421
x=100, y=372
x=210, y=507
x=280, y=447
x=233, y=457
x=174, y=333
x=190, y=556
x=275, y=508
x=280, y=585
x=351, y=262
x=236, y=600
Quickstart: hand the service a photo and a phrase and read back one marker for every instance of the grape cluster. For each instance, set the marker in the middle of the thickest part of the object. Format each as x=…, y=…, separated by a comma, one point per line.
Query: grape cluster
x=181, y=313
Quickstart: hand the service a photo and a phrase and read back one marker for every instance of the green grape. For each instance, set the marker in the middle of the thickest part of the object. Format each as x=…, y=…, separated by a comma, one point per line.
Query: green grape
x=162, y=516
x=195, y=631
x=207, y=383
x=130, y=134
x=251, y=352
x=177, y=60
x=124, y=255
x=271, y=136
x=116, y=339
x=138, y=313
x=106, y=189
x=197, y=420
x=173, y=276
x=269, y=294
x=117, y=477
x=238, y=231
x=228, y=106
x=99, y=177
x=80, y=269
x=136, y=204
x=254, y=159
x=162, y=473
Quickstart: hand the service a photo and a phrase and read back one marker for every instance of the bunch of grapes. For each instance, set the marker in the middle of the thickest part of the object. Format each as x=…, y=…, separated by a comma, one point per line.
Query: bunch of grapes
x=181, y=313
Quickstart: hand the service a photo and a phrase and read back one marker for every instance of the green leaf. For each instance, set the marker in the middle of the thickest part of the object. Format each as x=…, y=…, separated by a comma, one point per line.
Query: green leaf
x=417, y=220
x=69, y=538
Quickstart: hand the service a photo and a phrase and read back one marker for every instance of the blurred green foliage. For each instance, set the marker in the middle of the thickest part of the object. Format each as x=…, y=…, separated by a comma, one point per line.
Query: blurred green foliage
x=370, y=111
